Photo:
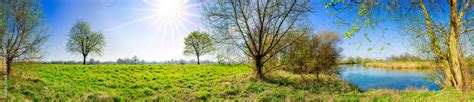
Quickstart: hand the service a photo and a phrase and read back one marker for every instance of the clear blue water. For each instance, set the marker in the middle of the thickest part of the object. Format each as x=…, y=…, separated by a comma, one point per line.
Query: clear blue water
x=378, y=78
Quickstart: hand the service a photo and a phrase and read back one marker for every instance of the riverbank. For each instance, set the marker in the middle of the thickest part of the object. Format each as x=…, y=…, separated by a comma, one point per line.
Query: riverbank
x=402, y=65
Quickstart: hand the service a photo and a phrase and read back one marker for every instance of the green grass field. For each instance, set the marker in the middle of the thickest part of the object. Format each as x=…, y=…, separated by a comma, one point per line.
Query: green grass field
x=187, y=82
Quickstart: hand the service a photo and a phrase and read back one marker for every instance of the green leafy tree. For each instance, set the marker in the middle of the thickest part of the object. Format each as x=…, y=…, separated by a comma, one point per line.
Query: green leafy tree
x=82, y=40
x=366, y=60
x=313, y=55
x=358, y=60
x=442, y=24
x=350, y=60
x=198, y=44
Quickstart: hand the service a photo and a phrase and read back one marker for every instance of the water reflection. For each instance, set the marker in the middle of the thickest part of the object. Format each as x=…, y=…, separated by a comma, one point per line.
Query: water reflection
x=380, y=78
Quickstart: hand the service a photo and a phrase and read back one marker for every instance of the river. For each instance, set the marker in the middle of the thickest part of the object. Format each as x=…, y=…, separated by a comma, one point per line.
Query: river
x=367, y=78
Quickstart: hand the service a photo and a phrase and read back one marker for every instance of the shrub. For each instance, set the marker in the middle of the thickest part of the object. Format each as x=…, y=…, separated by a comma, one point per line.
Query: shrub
x=315, y=55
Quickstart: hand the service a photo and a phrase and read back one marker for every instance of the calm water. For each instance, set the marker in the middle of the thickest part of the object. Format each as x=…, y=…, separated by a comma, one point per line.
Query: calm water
x=377, y=78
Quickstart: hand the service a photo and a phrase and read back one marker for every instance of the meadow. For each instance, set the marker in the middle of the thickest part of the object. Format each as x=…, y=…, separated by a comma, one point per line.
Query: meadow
x=188, y=82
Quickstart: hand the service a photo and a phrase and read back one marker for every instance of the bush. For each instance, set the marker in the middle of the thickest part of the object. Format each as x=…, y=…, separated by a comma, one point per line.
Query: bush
x=315, y=55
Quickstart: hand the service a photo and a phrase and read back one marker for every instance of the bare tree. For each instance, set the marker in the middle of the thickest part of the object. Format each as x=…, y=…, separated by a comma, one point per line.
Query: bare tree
x=82, y=40
x=257, y=27
x=198, y=44
x=22, y=32
x=442, y=24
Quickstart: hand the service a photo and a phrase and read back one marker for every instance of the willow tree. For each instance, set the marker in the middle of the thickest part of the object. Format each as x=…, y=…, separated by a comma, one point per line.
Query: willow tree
x=256, y=27
x=442, y=24
x=82, y=40
x=198, y=44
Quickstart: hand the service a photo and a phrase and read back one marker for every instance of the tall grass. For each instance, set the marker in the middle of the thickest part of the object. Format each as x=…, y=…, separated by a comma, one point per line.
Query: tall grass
x=402, y=65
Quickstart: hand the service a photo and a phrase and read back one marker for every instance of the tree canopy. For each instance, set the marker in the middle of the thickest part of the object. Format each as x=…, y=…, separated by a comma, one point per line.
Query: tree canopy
x=82, y=40
x=198, y=44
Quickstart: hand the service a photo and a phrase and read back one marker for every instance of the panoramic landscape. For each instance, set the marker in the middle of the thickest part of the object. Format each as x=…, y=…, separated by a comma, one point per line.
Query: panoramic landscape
x=237, y=50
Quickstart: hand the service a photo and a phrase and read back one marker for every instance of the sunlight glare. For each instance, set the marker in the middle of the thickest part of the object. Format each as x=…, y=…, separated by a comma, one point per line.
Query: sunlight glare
x=170, y=11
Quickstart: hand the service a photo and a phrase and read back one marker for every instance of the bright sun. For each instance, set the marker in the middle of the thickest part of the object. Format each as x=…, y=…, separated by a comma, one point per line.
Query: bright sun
x=170, y=12
x=167, y=16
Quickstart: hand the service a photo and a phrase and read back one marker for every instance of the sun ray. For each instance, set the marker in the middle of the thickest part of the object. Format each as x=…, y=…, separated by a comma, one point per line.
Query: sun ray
x=193, y=5
x=131, y=22
x=152, y=4
x=190, y=22
x=145, y=9
x=169, y=19
x=191, y=14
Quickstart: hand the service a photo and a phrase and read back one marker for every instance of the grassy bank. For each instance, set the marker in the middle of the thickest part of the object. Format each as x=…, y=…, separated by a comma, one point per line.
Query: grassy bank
x=401, y=65
x=188, y=82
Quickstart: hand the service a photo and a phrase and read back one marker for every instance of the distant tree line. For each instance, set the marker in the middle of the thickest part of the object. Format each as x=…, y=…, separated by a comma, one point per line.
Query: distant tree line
x=356, y=60
x=405, y=57
x=133, y=60
x=130, y=61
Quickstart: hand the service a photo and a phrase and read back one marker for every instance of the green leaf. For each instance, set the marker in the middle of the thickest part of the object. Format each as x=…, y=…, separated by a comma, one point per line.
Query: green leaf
x=348, y=34
x=370, y=49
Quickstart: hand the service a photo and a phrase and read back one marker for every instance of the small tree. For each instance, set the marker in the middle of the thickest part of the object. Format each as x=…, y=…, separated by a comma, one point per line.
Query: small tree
x=325, y=52
x=198, y=44
x=313, y=55
x=91, y=61
x=358, y=60
x=135, y=60
x=350, y=60
x=82, y=40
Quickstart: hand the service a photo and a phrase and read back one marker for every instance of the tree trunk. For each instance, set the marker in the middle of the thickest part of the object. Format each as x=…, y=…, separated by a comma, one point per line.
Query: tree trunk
x=5, y=78
x=258, y=67
x=84, y=59
x=453, y=49
x=455, y=63
x=198, y=60
x=9, y=65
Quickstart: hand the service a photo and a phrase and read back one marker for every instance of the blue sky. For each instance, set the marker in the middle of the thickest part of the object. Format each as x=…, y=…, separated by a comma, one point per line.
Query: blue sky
x=152, y=41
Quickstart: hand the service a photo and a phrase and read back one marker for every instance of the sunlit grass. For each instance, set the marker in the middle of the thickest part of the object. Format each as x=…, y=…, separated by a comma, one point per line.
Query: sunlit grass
x=190, y=82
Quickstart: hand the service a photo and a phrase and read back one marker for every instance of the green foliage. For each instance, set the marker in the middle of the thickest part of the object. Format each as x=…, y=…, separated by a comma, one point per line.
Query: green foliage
x=366, y=60
x=82, y=40
x=350, y=60
x=358, y=60
x=405, y=57
x=317, y=54
x=198, y=44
